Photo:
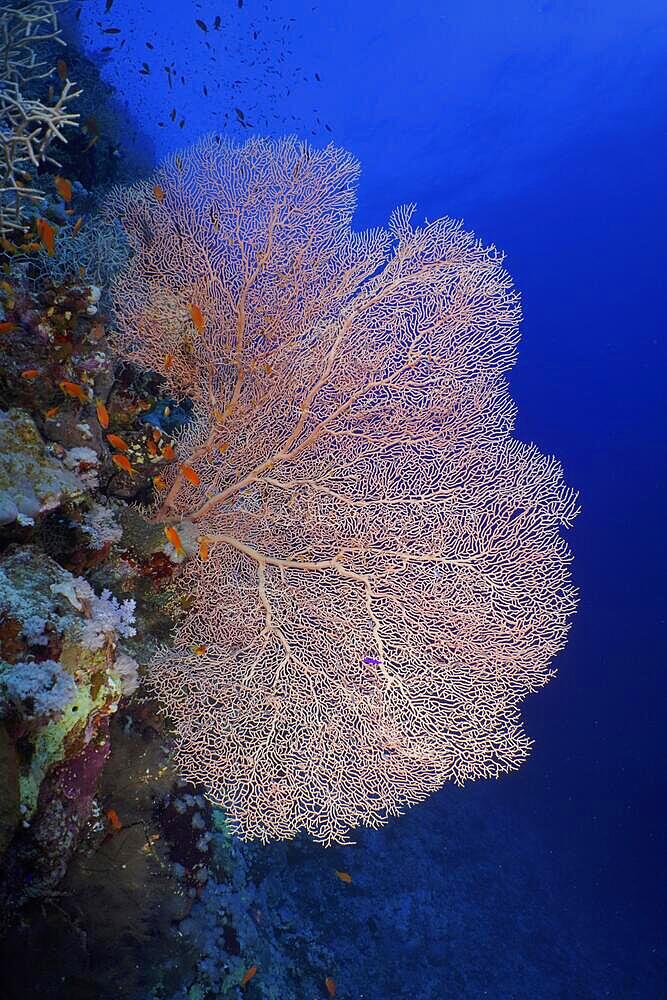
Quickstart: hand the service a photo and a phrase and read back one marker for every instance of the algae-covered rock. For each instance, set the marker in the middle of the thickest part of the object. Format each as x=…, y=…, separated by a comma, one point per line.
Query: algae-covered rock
x=70, y=673
x=31, y=480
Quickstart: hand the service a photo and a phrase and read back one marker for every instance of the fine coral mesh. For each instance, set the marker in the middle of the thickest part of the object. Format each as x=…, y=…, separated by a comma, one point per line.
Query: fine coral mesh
x=385, y=578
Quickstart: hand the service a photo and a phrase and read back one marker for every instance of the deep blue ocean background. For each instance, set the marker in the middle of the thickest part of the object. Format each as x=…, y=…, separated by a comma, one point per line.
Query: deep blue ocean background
x=542, y=125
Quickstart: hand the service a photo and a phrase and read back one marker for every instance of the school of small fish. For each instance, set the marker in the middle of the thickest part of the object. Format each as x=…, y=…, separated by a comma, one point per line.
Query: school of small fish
x=248, y=40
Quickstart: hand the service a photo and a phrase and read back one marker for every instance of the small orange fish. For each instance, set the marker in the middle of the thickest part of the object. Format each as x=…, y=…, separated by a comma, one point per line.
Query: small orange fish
x=77, y=225
x=51, y=412
x=97, y=331
x=203, y=548
x=168, y=453
x=102, y=414
x=152, y=447
x=247, y=976
x=123, y=462
x=175, y=539
x=158, y=192
x=267, y=369
x=344, y=877
x=168, y=361
x=222, y=448
x=331, y=986
x=63, y=187
x=61, y=66
x=157, y=434
x=47, y=235
x=197, y=317
x=159, y=483
x=199, y=650
x=7, y=326
x=74, y=390
x=114, y=819
x=191, y=475
x=30, y=373
x=117, y=442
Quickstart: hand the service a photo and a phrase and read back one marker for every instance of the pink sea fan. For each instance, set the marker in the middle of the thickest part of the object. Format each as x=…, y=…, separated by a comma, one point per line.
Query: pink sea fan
x=385, y=579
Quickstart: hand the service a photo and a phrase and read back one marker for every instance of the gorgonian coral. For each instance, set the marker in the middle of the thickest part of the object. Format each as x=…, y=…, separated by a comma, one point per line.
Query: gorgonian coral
x=382, y=578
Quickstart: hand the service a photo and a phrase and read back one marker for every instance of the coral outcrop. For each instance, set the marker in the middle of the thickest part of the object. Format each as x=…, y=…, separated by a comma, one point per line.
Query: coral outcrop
x=32, y=480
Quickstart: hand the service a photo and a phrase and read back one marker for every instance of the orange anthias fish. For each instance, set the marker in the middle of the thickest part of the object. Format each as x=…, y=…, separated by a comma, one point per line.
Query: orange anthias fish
x=159, y=482
x=168, y=453
x=51, y=412
x=168, y=361
x=203, y=548
x=158, y=192
x=74, y=390
x=30, y=373
x=47, y=235
x=197, y=317
x=344, y=877
x=331, y=986
x=222, y=448
x=199, y=650
x=151, y=447
x=77, y=225
x=191, y=475
x=114, y=819
x=63, y=187
x=102, y=414
x=175, y=539
x=123, y=462
x=247, y=976
x=117, y=442
x=7, y=326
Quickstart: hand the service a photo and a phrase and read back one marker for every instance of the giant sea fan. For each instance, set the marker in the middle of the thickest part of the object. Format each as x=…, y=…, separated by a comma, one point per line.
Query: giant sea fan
x=386, y=579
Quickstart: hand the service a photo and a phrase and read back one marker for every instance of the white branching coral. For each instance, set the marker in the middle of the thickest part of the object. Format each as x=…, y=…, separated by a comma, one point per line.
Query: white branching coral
x=101, y=525
x=109, y=618
x=28, y=125
x=106, y=617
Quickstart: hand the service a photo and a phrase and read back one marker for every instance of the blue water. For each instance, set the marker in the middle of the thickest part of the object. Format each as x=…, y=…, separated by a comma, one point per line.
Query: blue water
x=542, y=125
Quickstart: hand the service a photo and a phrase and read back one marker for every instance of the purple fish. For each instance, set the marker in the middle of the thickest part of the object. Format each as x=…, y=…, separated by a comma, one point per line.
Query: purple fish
x=372, y=661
